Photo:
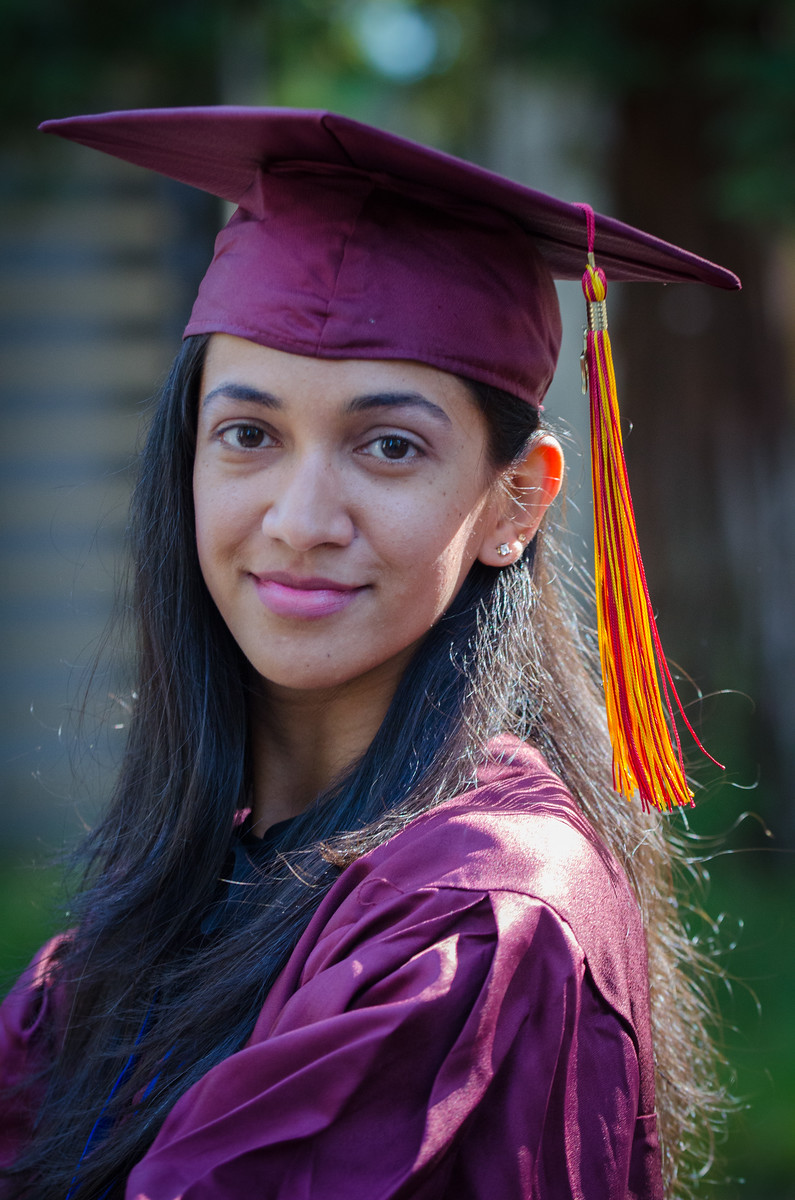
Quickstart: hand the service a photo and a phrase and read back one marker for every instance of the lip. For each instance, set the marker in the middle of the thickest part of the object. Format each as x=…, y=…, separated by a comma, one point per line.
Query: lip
x=288, y=595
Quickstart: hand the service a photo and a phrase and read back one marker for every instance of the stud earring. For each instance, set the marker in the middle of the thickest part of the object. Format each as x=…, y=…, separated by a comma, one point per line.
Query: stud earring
x=504, y=550
x=523, y=538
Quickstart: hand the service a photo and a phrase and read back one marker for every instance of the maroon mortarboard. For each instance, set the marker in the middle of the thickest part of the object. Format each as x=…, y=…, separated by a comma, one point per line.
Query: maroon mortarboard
x=349, y=242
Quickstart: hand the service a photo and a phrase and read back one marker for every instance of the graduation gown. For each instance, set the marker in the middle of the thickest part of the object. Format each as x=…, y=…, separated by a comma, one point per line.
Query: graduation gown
x=465, y=1018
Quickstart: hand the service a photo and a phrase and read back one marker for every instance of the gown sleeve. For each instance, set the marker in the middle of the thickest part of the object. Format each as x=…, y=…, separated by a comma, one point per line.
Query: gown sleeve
x=27, y=1022
x=439, y=1043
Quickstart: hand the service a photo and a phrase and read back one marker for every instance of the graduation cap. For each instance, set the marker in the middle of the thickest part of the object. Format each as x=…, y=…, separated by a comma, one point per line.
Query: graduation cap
x=350, y=242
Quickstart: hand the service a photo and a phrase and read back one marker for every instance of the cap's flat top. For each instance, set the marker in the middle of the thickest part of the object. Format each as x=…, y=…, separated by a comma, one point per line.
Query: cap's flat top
x=223, y=149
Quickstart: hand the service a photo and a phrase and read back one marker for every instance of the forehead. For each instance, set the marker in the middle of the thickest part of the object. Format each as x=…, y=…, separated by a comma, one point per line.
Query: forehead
x=322, y=382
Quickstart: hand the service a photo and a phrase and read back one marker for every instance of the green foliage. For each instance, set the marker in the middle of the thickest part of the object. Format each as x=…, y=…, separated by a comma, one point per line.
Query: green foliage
x=756, y=1004
x=734, y=58
x=754, y=129
x=734, y=61
x=66, y=56
x=61, y=56
x=29, y=899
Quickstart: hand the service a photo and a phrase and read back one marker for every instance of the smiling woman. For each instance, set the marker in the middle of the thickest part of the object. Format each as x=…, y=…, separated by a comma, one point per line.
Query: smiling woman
x=385, y=501
x=364, y=917
x=357, y=490
x=339, y=508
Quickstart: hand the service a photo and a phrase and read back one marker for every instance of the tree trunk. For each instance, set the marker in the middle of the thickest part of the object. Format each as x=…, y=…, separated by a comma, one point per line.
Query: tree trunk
x=703, y=386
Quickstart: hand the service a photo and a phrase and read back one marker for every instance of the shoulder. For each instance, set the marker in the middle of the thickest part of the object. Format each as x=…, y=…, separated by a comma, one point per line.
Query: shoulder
x=520, y=834
x=519, y=831
x=27, y=1007
x=28, y=1022
x=467, y=900
x=511, y=863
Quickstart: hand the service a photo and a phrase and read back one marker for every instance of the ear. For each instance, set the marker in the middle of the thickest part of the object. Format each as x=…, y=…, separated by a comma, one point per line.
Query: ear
x=523, y=494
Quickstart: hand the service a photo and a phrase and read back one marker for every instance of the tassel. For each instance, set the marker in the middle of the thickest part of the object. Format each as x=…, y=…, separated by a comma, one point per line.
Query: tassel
x=645, y=758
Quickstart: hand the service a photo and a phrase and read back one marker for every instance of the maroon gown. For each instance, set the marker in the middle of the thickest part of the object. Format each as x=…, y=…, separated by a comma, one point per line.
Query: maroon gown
x=465, y=1018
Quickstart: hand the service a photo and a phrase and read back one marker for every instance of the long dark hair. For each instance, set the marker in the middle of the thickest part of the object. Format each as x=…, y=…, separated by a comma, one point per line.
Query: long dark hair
x=146, y=988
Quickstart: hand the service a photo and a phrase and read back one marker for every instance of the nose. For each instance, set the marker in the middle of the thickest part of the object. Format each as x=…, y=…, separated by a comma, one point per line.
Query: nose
x=309, y=508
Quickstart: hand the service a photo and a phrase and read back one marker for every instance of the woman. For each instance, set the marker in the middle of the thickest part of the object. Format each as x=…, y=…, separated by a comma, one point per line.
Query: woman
x=364, y=917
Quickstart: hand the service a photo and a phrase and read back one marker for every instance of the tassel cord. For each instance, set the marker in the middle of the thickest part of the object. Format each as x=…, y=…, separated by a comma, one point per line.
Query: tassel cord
x=600, y=353
x=640, y=693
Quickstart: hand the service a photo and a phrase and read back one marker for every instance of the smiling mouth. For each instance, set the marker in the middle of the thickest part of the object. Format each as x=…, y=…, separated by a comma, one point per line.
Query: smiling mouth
x=292, y=596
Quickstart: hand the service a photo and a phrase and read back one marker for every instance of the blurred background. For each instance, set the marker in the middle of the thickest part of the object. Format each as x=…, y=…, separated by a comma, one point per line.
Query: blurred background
x=678, y=117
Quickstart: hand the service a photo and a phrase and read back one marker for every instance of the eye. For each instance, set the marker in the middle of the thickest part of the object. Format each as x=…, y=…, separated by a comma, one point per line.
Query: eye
x=244, y=437
x=392, y=447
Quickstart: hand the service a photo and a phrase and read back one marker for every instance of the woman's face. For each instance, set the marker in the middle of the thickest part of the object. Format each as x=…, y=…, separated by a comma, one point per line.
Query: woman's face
x=339, y=506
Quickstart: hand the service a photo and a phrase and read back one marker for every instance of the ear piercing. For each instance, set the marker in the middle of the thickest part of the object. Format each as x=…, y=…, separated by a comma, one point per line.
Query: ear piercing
x=504, y=548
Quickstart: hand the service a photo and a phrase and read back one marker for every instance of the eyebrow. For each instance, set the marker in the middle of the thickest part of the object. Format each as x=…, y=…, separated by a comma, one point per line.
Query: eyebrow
x=364, y=403
x=243, y=391
x=398, y=400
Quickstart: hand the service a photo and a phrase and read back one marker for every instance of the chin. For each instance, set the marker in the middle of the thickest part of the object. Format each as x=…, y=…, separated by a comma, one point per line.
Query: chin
x=318, y=675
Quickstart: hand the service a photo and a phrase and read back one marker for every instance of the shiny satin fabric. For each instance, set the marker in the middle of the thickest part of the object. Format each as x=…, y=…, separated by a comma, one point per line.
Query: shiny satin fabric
x=465, y=1017
x=340, y=267
x=351, y=242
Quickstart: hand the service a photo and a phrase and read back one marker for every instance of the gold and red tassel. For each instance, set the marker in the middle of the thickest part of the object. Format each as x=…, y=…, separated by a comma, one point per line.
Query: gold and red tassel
x=639, y=690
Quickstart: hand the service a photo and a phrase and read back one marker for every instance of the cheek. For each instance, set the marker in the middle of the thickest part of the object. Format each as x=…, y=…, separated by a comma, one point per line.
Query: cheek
x=203, y=513
x=436, y=545
x=219, y=519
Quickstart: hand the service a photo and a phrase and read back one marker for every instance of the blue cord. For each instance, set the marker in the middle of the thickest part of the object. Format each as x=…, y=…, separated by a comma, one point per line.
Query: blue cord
x=102, y=1125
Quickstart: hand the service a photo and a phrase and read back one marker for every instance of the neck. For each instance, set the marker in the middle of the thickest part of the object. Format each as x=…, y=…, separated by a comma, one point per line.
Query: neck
x=302, y=741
